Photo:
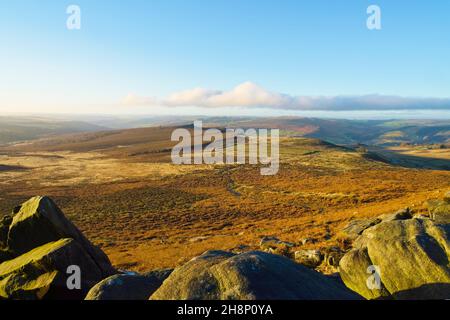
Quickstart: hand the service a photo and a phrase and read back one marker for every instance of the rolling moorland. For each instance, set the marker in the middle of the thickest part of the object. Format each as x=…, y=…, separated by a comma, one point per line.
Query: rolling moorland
x=337, y=131
x=121, y=190
x=32, y=127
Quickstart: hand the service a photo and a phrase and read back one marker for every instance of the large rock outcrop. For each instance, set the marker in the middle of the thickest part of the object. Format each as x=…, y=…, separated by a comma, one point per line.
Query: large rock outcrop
x=253, y=275
x=411, y=256
x=39, y=221
x=42, y=272
x=38, y=245
x=128, y=286
x=439, y=210
x=356, y=227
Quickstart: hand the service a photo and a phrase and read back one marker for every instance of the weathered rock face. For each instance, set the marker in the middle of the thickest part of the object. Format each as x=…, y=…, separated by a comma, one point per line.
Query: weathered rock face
x=248, y=276
x=440, y=212
x=332, y=256
x=403, y=214
x=42, y=272
x=309, y=258
x=128, y=286
x=39, y=245
x=355, y=274
x=40, y=221
x=412, y=257
x=356, y=227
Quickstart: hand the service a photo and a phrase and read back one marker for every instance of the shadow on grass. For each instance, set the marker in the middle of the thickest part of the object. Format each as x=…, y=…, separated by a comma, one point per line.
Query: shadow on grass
x=408, y=161
x=4, y=168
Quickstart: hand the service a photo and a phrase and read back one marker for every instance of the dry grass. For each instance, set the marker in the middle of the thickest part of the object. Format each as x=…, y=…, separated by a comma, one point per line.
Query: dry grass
x=147, y=213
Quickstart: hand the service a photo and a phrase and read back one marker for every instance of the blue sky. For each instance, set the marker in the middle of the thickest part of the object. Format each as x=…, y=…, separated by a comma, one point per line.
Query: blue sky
x=149, y=50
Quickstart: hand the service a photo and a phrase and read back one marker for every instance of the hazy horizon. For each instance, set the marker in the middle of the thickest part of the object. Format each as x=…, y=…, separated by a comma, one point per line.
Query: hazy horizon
x=353, y=115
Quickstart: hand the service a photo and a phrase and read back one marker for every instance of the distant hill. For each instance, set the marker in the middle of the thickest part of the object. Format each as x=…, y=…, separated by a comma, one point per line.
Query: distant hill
x=350, y=132
x=336, y=131
x=15, y=129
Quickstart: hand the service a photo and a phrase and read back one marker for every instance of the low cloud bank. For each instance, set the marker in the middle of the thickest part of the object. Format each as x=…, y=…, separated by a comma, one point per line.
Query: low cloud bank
x=250, y=95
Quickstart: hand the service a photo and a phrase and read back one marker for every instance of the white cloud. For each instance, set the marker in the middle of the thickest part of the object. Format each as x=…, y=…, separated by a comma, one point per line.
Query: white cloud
x=250, y=95
x=193, y=97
